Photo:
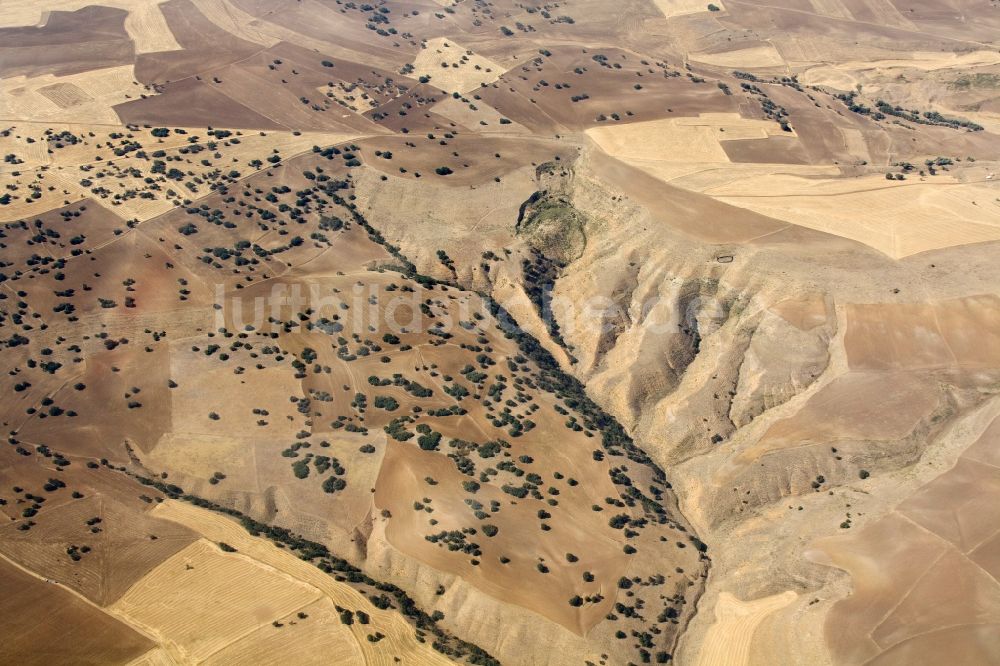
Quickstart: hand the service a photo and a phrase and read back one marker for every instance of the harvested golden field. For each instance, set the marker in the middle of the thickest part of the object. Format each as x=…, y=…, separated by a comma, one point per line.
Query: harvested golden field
x=144, y=23
x=317, y=638
x=696, y=139
x=901, y=219
x=672, y=8
x=729, y=640
x=755, y=57
x=325, y=628
x=75, y=98
x=845, y=72
x=230, y=17
x=202, y=599
x=454, y=68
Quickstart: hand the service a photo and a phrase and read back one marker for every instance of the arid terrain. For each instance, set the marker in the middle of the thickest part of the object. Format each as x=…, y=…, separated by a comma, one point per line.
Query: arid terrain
x=491, y=332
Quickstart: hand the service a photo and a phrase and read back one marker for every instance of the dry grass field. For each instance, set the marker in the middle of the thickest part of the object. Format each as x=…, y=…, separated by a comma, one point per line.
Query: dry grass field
x=672, y=8
x=655, y=331
x=454, y=68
